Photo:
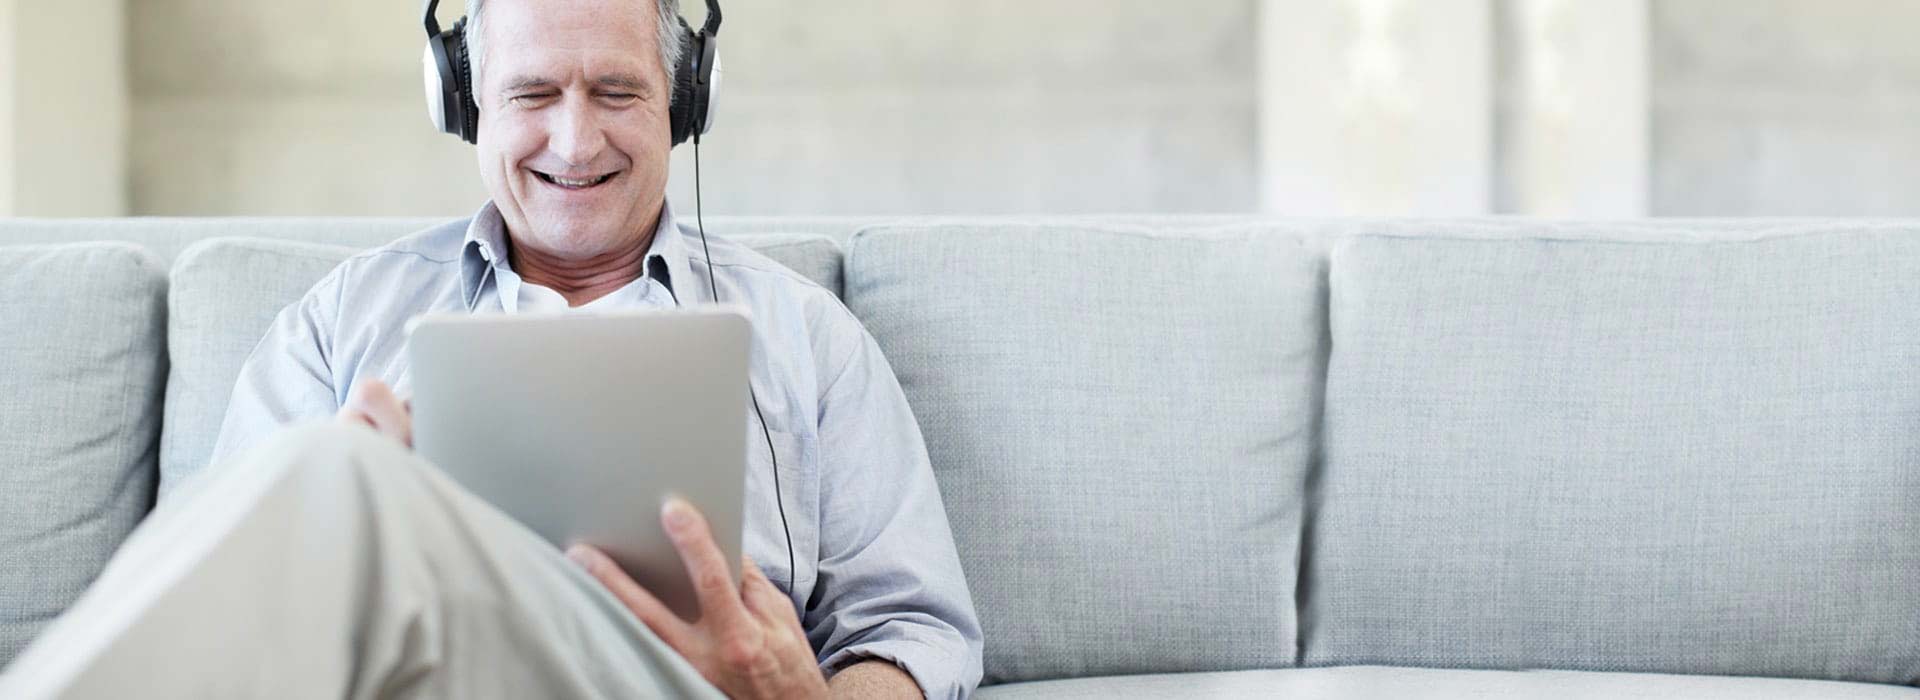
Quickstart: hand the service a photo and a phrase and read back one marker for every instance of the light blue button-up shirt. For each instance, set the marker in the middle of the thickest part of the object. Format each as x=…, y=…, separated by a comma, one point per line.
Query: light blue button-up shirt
x=878, y=575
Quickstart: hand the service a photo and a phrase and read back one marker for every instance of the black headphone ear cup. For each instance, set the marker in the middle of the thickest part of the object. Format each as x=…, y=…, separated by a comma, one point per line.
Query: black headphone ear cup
x=684, y=115
x=463, y=87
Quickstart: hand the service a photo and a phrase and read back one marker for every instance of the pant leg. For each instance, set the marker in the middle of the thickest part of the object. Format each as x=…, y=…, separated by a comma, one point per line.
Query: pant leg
x=334, y=563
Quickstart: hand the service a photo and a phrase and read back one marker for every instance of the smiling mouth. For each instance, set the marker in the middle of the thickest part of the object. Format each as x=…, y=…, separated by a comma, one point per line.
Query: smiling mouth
x=574, y=184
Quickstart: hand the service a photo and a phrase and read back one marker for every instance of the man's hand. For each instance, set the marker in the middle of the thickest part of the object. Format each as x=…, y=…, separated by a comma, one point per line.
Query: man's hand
x=374, y=404
x=748, y=642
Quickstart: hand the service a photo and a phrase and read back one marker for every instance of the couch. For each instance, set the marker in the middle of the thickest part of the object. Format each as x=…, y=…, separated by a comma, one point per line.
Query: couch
x=1218, y=456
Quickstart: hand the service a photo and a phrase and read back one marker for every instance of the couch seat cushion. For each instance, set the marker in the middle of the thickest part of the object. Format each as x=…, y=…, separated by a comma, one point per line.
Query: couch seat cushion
x=1385, y=683
x=82, y=361
x=1120, y=421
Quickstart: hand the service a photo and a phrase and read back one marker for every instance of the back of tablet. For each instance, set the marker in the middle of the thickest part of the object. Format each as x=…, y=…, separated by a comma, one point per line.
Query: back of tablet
x=579, y=426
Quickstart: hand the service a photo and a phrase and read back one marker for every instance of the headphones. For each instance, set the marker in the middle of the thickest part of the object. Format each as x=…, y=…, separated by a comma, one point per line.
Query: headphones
x=449, y=78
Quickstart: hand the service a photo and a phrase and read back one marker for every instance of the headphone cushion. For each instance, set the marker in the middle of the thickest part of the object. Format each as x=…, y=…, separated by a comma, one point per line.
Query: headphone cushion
x=469, y=109
x=684, y=115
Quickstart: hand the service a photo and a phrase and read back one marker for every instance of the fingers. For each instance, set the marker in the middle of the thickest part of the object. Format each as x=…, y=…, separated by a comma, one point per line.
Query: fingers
x=654, y=614
x=706, y=566
x=372, y=402
x=389, y=416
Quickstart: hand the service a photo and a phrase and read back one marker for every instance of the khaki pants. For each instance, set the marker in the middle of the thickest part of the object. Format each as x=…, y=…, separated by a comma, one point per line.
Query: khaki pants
x=333, y=563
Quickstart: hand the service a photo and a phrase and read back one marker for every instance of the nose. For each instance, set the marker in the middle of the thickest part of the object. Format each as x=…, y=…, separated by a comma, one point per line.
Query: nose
x=574, y=134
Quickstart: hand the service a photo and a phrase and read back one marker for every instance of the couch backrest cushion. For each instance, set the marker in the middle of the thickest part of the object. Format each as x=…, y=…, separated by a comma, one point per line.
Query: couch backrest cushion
x=1120, y=421
x=1697, y=456
x=170, y=236
x=226, y=292
x=82, y=359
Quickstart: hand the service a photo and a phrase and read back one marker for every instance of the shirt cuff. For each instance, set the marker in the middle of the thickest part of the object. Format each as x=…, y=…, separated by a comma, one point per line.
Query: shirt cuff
x=933, y=669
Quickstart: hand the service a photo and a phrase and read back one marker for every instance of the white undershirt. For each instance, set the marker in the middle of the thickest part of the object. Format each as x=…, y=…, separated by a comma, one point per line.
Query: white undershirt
x=535, y=299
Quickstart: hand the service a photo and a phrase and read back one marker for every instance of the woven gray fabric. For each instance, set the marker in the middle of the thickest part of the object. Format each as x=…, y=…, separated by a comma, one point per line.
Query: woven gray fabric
x=84, y=359
x=226, y=292
x=1386, y=683
x=1120, y=422
x=1685, y=457
x=170, y=236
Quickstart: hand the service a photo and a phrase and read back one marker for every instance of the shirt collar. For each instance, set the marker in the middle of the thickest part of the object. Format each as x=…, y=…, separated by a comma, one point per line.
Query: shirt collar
x=485, y=248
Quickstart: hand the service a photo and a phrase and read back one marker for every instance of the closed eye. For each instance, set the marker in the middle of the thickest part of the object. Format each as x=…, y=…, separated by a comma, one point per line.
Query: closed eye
x=532, y=100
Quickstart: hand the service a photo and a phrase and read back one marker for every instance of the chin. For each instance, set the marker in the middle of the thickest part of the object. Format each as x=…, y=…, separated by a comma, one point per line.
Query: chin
x=583, y=236
x=581, y=225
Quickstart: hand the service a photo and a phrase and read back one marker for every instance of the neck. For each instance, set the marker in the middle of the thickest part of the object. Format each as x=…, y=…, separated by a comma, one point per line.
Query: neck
x=581, y=280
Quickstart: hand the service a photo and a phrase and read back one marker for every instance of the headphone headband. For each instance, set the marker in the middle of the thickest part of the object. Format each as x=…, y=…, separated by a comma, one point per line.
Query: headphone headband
x=433, y=23
x=712, y=27
x=696, y=81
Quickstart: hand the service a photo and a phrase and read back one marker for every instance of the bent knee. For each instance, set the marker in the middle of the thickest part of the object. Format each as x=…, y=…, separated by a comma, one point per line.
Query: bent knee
x=325, y=436
x=307, y=460
x=328, y=449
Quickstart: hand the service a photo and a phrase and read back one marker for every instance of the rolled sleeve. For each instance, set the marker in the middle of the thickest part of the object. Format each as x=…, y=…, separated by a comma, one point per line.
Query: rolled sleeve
x=933, y=666
x=890, y=585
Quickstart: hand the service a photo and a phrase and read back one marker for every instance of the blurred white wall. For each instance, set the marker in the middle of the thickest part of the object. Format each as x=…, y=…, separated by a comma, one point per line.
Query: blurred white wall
x=983, y=106
x=9, y=65
x=1786, y=107
x=841, y=106
x=1376, y=107
x=64, y=111
x=246, y=107
x=1570, y=114
x=1555, y=107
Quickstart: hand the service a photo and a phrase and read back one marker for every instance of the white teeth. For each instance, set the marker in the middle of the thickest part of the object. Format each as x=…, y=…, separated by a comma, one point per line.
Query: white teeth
x=568, y=182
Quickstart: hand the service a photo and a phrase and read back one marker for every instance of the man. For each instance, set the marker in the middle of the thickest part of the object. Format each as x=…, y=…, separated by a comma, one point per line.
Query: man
x=329, y=561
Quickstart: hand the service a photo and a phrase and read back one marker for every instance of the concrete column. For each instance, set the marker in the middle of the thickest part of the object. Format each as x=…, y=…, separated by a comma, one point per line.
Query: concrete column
x=63, y=108
x=1376, y=107
x=1572, y=122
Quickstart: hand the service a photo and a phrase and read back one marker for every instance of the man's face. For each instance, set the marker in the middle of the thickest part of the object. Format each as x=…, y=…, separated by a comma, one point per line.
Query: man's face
x=574, y=136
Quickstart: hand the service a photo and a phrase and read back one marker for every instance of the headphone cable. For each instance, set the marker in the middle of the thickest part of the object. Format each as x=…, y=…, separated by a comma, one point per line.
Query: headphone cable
x=713, y=288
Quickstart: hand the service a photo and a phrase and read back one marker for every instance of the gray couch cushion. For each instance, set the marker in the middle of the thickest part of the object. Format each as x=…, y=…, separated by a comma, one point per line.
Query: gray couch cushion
x=83, y=358
x=1120, y=422
x=1691, y=457
x=1385, y=683
x=170, y=236
x=226, y=292
x=815, y=257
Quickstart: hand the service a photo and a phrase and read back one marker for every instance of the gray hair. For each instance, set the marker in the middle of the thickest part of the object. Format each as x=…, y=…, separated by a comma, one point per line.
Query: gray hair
x=667, y=30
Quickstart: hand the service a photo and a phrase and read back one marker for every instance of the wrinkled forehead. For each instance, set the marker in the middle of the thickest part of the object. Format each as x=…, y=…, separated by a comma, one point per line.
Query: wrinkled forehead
x=545, y=36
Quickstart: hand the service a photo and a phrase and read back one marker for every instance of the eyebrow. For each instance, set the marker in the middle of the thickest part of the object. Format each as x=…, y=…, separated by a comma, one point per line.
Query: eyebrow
x=619, y=80
x=527, y=81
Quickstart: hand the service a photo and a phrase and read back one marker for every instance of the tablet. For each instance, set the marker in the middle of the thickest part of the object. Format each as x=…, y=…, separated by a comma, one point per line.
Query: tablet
x=580, y=426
